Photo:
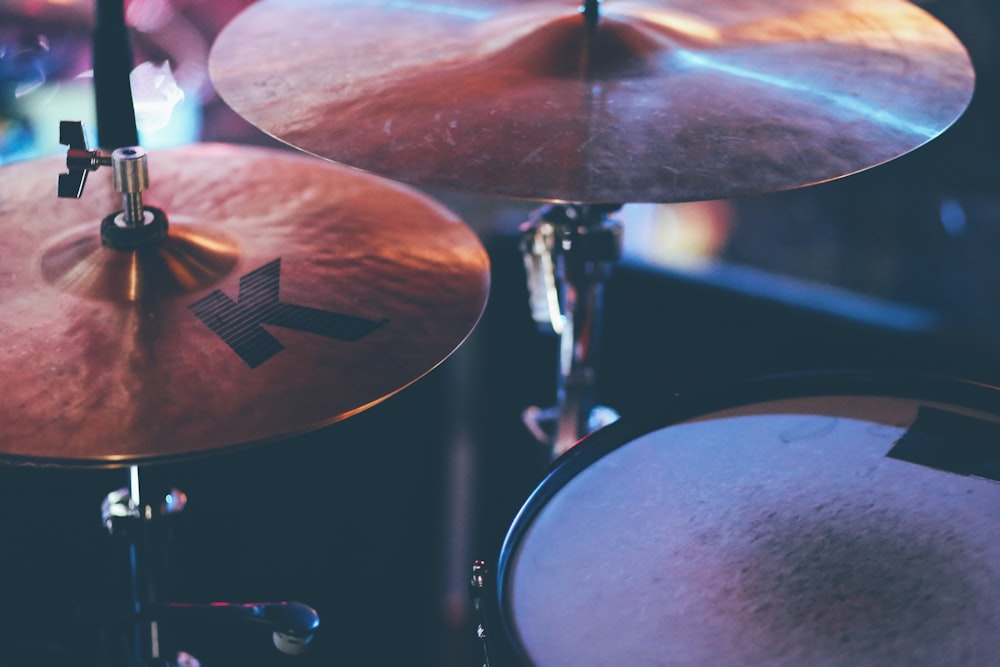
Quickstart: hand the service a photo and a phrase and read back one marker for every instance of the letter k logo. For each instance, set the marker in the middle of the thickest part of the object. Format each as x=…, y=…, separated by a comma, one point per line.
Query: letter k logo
x=238, y=322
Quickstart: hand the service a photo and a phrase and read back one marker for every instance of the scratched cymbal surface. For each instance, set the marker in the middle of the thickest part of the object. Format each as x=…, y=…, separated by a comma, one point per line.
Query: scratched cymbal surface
x=674, y=100
x=289, y=293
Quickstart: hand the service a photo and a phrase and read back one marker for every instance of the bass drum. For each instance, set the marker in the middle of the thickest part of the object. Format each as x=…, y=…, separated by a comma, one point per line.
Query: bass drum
x=842, y=519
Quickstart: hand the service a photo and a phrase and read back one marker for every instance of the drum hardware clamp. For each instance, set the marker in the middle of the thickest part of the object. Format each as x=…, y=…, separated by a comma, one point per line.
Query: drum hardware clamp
x=568, y=252
x=126, y=514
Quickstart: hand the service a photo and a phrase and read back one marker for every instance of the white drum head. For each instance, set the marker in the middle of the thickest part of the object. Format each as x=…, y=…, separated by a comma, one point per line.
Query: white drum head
x=833, y=529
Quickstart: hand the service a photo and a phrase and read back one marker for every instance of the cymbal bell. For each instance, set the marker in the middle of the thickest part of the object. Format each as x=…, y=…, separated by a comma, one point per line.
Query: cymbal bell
x=665, y=101
x=288, y=293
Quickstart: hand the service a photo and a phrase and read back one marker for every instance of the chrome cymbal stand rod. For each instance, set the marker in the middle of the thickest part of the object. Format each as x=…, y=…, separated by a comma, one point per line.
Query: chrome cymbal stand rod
x=569, y=250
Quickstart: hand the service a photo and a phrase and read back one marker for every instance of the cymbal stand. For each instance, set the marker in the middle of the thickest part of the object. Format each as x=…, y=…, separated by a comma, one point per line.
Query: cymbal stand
x=127, y=512
x=568, y=252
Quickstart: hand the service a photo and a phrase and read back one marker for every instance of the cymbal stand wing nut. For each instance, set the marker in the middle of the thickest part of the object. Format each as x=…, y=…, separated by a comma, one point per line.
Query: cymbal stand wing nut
x=135, y=225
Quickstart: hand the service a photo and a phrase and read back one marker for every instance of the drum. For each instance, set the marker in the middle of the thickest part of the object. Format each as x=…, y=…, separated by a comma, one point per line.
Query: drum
x=843, y=519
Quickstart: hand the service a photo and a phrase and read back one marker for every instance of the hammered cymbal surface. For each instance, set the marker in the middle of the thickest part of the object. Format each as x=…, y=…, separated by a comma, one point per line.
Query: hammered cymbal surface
x=288, y=294
x=669, y=100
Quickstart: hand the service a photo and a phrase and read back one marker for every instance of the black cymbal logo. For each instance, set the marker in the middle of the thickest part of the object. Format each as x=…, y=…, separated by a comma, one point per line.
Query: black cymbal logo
x=238, y=323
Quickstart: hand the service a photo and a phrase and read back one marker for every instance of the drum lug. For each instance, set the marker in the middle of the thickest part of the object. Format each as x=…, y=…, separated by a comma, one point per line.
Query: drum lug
x=477, y=591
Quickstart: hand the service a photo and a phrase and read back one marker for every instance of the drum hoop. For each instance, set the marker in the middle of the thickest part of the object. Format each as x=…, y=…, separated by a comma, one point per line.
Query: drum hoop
x=688, y=405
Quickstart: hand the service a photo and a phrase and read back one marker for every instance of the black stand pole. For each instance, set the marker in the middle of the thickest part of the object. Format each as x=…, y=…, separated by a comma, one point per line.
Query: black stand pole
x=113, y=64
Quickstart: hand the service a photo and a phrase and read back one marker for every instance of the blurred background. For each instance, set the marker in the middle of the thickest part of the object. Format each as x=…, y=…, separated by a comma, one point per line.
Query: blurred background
x=376, y=521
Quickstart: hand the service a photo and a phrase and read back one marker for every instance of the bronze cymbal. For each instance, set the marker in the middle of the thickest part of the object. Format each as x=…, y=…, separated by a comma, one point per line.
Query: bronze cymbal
x=671, y=100
x=289, y=293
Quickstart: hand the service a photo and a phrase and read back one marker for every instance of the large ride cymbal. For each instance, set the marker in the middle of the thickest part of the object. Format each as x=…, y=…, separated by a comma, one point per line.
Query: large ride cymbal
x=673, y=100
x=288, y=293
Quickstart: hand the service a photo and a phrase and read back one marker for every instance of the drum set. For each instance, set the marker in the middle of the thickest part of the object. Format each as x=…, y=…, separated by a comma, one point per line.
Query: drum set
x=178, y=303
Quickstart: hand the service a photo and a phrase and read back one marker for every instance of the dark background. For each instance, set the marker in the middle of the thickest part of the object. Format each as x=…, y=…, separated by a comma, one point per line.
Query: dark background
x=375, y=521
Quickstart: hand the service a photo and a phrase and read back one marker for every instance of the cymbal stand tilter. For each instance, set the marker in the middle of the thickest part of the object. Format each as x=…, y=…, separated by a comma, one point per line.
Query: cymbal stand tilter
x=128, y=512
x=568, y=252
